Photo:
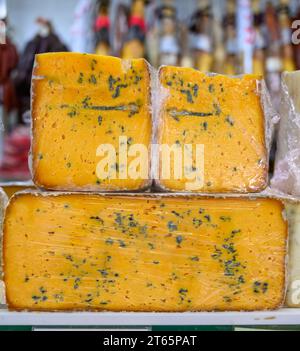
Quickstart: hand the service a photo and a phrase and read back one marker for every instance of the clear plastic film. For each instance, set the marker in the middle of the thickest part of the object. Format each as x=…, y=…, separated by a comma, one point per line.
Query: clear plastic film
x=293, y=291
x=292, y=213
x=272, y=117
x=139, y=252
x=231, y=119
x=287, y=167
x=96, y=128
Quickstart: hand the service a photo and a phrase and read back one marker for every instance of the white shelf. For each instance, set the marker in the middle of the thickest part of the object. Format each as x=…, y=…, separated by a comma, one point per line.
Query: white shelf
x=282, y=317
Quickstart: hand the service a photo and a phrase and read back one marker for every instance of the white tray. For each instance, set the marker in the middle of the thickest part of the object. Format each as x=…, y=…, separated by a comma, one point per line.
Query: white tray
x=282, y=317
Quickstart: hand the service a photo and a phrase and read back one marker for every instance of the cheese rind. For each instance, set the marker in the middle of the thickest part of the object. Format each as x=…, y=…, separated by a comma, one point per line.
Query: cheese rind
x=10, y=188
x=3, y=202
x=223, y=114
x=293, y=292
x=80, y=102
x=145, y=253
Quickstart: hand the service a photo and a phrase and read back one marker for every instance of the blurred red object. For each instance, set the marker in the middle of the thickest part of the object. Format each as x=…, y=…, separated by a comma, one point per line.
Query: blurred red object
x=14, y=165
x=8, y=62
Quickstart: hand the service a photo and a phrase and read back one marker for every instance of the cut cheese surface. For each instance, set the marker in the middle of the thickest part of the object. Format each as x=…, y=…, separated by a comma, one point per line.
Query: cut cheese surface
x=293, y=294
x=224, y=115
x=145, y=253
x=80, y=102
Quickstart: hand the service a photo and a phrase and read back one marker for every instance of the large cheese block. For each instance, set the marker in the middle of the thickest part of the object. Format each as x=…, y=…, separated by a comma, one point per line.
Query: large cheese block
x=293, y=215
x=80, y=104
x=287, y=167
x=143, y=253
x=223, y=114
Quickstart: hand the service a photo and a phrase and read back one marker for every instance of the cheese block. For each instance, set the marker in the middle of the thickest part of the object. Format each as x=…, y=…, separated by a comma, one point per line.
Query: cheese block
x=293, y=294
x=80, y=103
x=143, y=253
x=286, y=173
x=225, y=116
x=3, y=201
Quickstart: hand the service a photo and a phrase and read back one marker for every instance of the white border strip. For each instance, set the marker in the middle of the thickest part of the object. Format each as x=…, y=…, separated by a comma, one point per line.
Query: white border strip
x=282, y=317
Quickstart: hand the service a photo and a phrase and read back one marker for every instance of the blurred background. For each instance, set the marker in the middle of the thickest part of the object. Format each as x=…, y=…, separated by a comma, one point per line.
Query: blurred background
x=230, y=37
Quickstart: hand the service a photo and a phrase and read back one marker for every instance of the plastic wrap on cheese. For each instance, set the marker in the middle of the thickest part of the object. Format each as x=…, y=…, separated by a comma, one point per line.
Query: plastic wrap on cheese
x=287, y=167
x=293, y=293
x=85, y=110
x=154, y=253
x=3, y=201
x=217, y=127
x=10, y=188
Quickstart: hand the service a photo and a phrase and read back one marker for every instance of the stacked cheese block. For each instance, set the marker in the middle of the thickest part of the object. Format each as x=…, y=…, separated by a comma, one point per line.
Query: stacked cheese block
x=144, y=252
x=287, y=168
x=287, y=175
x=225, y=115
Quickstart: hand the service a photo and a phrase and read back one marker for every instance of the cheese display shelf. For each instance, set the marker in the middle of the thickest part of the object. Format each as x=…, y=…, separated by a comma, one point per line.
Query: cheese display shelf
x=284, y=317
